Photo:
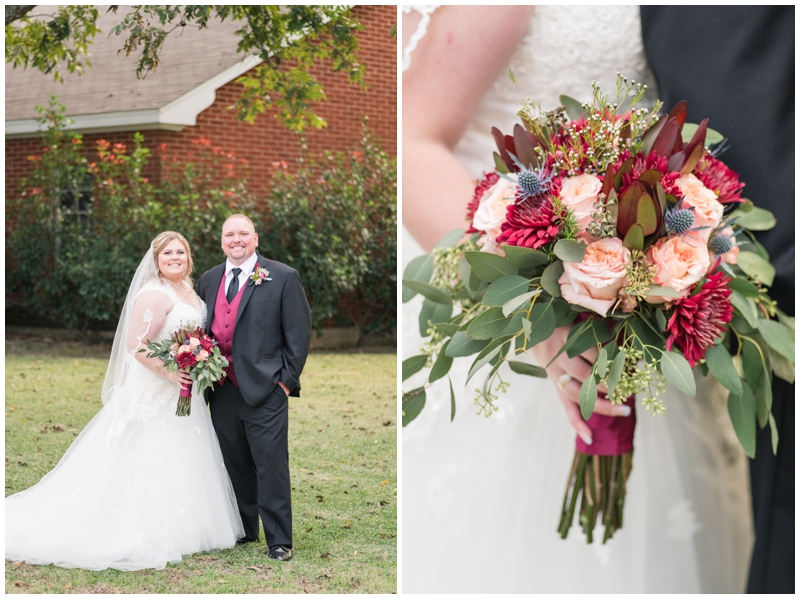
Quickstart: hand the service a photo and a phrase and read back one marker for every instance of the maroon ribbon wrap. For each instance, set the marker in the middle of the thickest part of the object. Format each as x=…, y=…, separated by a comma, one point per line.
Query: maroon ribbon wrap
x=186, y=389
x=611, y=435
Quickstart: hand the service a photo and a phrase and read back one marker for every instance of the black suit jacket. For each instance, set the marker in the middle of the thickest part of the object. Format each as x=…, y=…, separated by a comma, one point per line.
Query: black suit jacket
x=735, y=65
x=272, y=332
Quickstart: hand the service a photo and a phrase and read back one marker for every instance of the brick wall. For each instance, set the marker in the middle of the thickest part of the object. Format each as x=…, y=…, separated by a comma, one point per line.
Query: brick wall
x=268, y=141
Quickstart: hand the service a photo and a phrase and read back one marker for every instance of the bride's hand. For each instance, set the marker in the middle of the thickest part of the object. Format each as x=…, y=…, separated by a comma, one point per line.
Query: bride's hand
x=179, y=376
x=577, y=369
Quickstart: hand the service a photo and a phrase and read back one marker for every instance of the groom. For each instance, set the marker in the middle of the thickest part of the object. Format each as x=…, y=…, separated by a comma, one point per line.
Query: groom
x=735, y=64
x=258, y=312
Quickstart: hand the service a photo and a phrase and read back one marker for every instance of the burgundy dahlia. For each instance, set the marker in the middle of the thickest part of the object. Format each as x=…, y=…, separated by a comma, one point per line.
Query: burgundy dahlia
x=720, y=179
x=700, y=318
x=488, y=181
x=186, y=360
x=531, y=224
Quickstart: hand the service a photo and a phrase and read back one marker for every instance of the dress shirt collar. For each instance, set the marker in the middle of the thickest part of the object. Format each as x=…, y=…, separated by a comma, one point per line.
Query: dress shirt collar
x=246, y=266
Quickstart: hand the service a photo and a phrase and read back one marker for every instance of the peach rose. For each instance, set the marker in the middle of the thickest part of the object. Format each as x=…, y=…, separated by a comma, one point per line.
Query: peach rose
x=184, y=348
x=202, y=355
x=491, y=212
x=594, y=283
x=194, y=342
x=680, y=263
x=579, y=194
x=707, y=209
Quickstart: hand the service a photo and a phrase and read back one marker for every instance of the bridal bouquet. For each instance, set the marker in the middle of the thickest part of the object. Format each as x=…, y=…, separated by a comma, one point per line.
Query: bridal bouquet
x=190, y=350
x=626, y=226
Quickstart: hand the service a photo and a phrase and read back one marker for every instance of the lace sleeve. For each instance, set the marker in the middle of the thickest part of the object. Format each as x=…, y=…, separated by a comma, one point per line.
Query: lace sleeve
x=147, y=317
x=425, y=12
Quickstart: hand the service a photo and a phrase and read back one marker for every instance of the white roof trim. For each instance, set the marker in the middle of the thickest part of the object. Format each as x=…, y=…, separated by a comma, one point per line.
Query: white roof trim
x=176, y=115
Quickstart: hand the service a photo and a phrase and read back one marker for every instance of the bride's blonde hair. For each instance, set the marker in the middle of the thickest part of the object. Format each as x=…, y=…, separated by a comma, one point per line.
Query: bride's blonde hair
x=160, y=242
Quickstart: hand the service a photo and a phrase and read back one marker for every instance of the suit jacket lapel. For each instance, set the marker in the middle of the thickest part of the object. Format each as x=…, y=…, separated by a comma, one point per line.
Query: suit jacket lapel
x=216, y=280
x=248, y=290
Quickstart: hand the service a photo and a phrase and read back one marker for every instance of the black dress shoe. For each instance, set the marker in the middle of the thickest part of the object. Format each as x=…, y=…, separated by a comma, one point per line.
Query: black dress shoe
x=280, y=553
x=244, y=540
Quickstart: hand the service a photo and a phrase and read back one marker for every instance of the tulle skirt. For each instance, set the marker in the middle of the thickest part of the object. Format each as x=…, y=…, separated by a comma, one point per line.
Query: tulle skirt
x=128, y=496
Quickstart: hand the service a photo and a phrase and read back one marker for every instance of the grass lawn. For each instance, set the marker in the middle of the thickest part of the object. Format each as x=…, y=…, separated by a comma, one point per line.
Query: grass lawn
x=342, y=445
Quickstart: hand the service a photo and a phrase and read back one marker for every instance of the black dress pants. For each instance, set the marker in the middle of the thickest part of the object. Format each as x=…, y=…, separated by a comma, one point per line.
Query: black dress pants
x=255, y=447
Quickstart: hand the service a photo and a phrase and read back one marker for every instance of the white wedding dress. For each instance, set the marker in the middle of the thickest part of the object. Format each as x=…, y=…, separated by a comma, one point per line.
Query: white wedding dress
x=139, y=487
x=481, y=497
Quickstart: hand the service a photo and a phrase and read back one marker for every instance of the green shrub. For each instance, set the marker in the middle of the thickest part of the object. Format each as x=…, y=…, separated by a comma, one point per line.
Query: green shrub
x=335, y=221
x=79, y=226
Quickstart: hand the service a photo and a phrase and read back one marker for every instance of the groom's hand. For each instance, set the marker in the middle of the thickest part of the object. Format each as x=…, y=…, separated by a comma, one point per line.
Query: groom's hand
x=284, y=387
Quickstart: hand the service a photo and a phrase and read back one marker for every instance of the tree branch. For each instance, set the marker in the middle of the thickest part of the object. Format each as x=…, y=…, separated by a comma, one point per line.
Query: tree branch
x=14, y=13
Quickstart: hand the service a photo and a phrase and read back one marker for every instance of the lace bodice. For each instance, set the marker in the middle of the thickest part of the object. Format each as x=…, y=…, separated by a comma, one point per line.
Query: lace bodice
x=564, y=50
x=144, y=393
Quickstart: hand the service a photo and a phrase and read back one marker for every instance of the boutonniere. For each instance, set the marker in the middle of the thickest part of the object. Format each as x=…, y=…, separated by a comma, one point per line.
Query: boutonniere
x=258, y=276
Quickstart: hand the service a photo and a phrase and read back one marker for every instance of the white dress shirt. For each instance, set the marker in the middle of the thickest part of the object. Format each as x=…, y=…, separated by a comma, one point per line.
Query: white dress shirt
x=247, y=269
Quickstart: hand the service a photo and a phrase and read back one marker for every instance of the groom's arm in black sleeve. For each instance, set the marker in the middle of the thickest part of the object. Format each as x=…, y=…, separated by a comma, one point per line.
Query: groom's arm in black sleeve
x=296, y=323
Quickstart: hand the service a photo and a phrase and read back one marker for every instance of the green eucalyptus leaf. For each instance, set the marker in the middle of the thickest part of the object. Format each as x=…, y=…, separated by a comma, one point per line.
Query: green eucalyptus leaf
x=419, y=269
x=527, y=369
x=490, y=267
x=516, y=302
x=514, y=326
x=678, y=372
x=504, y=289
x=433, y=313
x=429, y=291
x=471, y=280
x=782, y=367
x=525, y=258
x=743, y=286
x=413, y=402
x=461, y=345
x=773, y=429
x=746, y=307
x=588, y=396
x=756, y=219
x=778, y=337
x=601, y=363
x=721, y=366
x=543, y=323
x=565, y=315
x=615, y=372
x=452, y=401
x=442, y=365
x=550, y=278
x=742, y=410
x=488, y=324
x=446, y=328
x=712, y=137
x=756, y=267
x=572, y=107
x=569, y=250
x=661, y=320
x=487, y=354
x=413, y=365
x=657, y=290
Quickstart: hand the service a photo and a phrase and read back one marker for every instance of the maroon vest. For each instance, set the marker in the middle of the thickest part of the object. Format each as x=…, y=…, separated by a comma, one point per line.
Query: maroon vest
x=223, y=324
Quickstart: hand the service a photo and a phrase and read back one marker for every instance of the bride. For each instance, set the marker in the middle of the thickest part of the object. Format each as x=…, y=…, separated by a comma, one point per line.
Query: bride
x=140, y=487
x=481, y=497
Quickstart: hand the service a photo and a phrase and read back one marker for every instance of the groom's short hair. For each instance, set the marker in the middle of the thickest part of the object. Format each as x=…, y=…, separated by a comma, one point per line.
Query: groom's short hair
x=239, y=216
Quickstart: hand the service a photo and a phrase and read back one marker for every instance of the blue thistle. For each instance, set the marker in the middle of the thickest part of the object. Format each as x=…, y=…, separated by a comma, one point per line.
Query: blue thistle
x=721, y=244
x=530, y=183
x=679, y=220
